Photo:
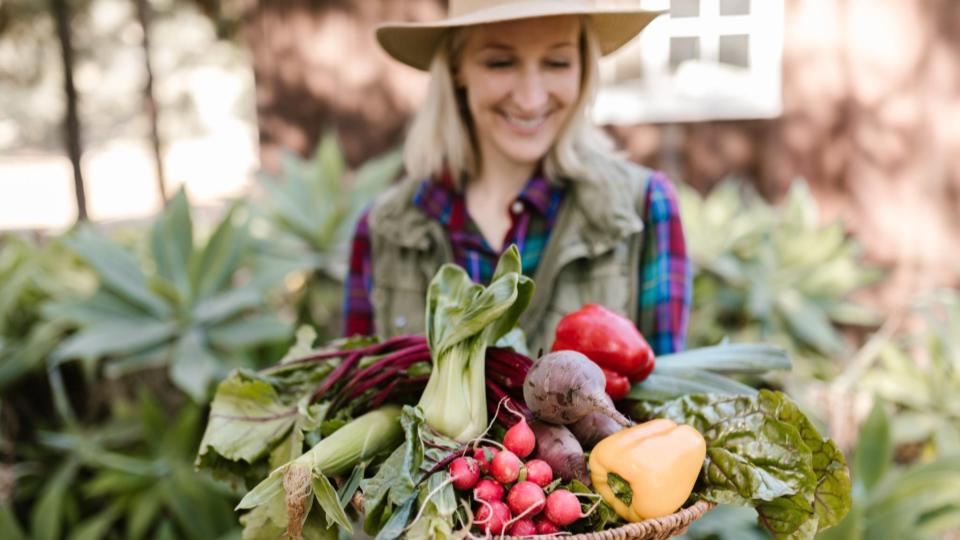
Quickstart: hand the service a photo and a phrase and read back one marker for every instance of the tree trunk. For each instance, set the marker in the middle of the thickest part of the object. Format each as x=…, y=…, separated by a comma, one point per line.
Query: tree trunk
x=71, y=120
x=318, y=68
x=149, y=102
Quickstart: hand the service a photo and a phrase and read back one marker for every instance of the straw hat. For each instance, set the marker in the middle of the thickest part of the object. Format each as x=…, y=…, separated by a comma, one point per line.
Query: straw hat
x=414, y=43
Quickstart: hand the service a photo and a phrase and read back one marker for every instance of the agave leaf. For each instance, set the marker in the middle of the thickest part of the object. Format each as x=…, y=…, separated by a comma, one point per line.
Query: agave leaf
x=248, y=332
x=227, y=304
x=194, y=366
x=171, y=240
x=116, y=337
x=874, y=452
x=117, y=269
x=212, y=268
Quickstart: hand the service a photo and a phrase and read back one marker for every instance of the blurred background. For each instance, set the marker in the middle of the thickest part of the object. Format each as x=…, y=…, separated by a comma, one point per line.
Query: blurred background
x=179, y=179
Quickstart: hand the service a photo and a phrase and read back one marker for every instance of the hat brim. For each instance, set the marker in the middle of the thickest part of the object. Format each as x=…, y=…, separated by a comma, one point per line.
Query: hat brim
x=414, y=43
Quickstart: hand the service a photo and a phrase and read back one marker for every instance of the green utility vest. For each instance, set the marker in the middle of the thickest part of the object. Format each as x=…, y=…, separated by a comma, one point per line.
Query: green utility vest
x=592, y=256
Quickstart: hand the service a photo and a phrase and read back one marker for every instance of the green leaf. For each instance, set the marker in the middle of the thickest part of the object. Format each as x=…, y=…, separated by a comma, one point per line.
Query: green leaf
x=97, y=527
x=194, y=367
x=249, y=332
x=763, y=452
x=47, y=515
x=264, y=493
x=673, y=383
x=398, y=521
x=330, y=503
x=116, y=337
x=224, y=305
x=212, y=268
x=117, y=269
x=349, y=488
x=874, y=452
x=246, y=419
x=809, y=322
x=171, y=241
x=9, y=527
x=728, y=358
x=143, y=510
x=102, y=306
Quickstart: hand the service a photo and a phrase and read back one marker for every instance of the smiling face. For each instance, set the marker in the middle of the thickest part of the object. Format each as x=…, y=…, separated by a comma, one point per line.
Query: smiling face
x=522, y=81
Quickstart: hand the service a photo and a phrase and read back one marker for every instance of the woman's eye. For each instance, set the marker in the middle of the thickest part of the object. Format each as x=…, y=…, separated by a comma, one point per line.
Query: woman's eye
x=499, y=64
x=558, y=64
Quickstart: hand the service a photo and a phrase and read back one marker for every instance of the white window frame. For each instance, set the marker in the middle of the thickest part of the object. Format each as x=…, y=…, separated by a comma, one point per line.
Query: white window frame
x=699, y=90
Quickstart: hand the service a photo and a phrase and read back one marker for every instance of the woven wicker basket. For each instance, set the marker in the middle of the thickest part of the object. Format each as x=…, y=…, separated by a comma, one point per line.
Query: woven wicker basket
x=650, y=529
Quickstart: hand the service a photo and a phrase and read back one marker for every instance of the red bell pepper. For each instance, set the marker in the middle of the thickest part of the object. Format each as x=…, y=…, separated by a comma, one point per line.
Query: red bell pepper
x=608, y=338
x=617, y=385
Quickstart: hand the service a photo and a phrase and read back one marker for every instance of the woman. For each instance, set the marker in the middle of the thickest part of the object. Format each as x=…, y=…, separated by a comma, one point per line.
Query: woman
x=503, y=152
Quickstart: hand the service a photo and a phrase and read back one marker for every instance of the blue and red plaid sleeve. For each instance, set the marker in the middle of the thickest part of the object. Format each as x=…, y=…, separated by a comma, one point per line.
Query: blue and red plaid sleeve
x=665, y=274
x=357, y=309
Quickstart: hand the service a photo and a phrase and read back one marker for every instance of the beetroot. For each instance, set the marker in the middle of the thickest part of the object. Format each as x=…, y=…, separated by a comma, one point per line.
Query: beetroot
x=564, y=386
x=560, y=449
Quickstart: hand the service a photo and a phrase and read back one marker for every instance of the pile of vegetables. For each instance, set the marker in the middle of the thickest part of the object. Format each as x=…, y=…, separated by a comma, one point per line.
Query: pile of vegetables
x=455, y=433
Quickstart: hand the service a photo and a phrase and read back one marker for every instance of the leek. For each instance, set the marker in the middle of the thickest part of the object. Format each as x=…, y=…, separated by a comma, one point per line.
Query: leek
x=462, y=319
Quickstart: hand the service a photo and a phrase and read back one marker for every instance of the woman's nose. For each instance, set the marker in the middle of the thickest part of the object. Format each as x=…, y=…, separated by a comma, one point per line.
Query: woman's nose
x=531, y=93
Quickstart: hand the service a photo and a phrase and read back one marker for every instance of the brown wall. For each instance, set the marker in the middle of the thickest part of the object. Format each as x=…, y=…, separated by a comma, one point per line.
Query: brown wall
x=871, y=116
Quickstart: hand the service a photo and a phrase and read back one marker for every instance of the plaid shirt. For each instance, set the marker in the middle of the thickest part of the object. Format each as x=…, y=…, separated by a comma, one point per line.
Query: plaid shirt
x=665, y=272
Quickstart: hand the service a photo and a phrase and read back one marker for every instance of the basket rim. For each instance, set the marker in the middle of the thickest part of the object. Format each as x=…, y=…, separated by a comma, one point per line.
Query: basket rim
x=661, y=527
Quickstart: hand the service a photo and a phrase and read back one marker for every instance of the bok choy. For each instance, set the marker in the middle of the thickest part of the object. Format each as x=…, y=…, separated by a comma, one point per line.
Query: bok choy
x=462, y=319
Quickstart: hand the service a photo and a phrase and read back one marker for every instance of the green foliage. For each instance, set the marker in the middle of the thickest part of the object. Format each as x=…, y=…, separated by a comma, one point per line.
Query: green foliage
x=920, y=501
x=184, y=308
x=762, y=451
x=919, y=371
x=31, y=274
x=128, y=477
x=311, y=210
x=766, y=274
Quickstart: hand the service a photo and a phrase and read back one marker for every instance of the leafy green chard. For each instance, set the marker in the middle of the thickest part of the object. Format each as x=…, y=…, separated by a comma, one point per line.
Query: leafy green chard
x=462, y=320
x=393, y=495
x=763, y=452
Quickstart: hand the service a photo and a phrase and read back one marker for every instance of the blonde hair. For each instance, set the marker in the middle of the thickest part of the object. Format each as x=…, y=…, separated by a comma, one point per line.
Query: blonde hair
x=441, y=135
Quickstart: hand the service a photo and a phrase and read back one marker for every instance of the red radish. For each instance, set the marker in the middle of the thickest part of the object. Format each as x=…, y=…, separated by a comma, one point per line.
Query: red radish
x=484, y=456
x=520, y=439
x=492, y=517
x=523, y=527
x=563, y=507
x=506, y=467
x=545, y=526
x=465, y=472
x=488, y=490
x=526, y=498
x=539, y=472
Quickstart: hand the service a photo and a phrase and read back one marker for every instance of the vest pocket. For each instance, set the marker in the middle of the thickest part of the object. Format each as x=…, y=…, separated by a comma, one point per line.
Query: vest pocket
x=398, y=311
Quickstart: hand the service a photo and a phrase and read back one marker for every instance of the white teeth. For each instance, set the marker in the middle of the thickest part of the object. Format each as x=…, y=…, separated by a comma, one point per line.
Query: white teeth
x=525, y=124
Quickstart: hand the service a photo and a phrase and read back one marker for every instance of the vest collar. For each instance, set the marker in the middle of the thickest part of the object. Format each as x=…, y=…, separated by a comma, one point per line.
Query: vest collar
x=606, y=211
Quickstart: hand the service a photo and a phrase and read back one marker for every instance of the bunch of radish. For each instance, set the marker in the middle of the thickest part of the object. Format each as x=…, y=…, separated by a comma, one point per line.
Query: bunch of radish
x=510, y=495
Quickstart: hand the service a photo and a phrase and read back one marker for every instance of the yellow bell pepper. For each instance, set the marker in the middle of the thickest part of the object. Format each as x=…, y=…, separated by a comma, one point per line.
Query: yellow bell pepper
x=647, y=471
